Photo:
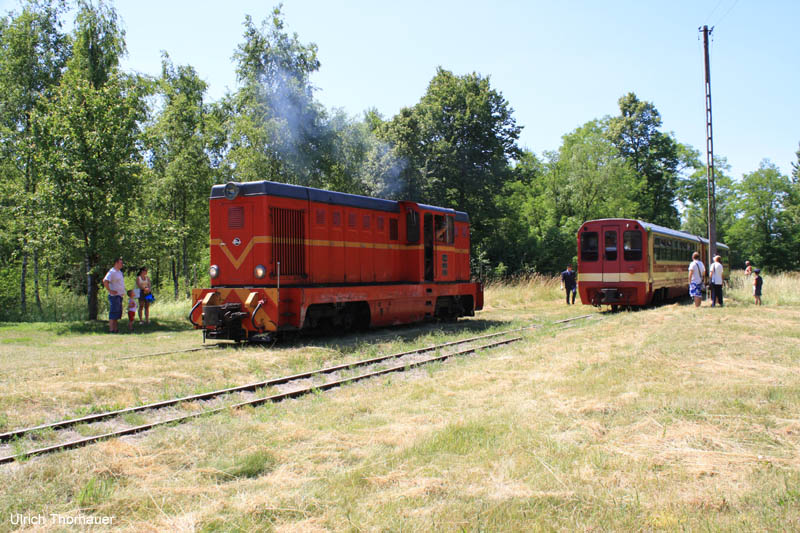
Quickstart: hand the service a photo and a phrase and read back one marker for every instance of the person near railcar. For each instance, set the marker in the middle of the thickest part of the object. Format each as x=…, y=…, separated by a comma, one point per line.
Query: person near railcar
x=569, y=283
x=716, y=281
x=114, y=282
x=696, y=272
x=748, y=269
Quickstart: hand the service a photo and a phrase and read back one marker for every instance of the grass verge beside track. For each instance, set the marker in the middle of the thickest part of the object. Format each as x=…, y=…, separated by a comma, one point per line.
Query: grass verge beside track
x=663, y=419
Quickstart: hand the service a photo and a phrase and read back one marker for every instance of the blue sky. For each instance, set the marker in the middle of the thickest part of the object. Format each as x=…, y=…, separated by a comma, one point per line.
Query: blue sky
x=559, y=64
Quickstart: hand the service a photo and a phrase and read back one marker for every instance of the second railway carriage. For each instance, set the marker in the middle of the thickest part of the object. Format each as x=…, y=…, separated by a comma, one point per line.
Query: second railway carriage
x=634, y=263
x=285, y=257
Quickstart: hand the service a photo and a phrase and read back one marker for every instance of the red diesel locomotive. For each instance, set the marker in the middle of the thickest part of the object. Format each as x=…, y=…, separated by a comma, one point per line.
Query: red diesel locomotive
x=639, y=263
x=288, y=258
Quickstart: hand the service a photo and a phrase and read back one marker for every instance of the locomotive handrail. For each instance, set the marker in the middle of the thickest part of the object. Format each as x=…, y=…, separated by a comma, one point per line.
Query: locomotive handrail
x=195, y=324
x=253, y=316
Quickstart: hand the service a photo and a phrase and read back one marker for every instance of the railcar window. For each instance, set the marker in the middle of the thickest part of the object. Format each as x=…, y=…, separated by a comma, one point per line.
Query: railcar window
x=236, y=217
x=589, y=246
x=611, y=245
x=632, y=245
x=393, y=229
x=412, y=226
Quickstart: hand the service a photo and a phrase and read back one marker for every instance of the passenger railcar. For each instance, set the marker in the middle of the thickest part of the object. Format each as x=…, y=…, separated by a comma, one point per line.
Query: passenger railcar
x=634, y=263
x=287, y=258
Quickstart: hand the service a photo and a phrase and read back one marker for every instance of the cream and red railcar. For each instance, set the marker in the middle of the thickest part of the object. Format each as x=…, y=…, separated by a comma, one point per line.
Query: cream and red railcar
x=286, y=258
x=623, y=262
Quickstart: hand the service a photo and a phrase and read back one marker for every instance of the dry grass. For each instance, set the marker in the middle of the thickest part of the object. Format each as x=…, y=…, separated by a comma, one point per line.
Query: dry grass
x=662, y=419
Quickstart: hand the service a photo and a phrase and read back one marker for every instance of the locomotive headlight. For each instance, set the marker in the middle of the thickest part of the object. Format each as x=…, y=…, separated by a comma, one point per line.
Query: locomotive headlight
x=213, y=271
x=260, y=271
x=231, y=190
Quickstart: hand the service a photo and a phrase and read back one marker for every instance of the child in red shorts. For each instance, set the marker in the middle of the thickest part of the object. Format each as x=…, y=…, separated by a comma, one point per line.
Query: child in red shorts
x=131, y=309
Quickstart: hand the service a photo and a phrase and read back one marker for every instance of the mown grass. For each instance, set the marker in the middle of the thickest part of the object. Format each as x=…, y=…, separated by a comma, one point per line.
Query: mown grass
x=662, y=419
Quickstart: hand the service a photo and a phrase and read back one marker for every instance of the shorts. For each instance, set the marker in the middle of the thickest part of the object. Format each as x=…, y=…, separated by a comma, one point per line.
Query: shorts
x=131, y=315
x=696, y=290
x=114, y=307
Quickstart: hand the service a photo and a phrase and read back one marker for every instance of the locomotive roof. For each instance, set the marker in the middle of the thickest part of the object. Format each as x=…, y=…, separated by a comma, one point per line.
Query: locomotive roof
x=661, y=230
x=286, y=190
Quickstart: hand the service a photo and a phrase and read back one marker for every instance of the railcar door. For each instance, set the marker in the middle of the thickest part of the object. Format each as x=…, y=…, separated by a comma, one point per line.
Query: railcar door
x=611, y=264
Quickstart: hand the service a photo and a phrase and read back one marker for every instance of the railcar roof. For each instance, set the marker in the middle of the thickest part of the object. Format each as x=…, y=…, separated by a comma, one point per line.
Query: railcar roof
x=661, y=230
x=286, y=190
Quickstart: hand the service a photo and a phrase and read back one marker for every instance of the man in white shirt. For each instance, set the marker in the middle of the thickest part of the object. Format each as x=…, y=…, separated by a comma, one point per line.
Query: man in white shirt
x=114, y=282
x=716, y=281
x=696, y=272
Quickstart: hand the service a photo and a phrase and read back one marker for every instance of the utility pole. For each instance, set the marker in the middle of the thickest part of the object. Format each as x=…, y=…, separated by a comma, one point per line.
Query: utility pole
x=712, y=204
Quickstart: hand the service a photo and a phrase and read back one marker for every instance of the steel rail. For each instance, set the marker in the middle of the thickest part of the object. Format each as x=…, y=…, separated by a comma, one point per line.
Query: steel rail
x=97, y=417
x=4, y=437
x=258, y=401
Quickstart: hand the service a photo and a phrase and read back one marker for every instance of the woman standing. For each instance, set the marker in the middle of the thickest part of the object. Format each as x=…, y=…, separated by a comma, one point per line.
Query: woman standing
x=143, y=284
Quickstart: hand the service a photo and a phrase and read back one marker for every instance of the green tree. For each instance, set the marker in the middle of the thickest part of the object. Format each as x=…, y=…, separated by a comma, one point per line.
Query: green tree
x=759, y=230
x=791, y=217
x=694, y=195
x=33, y=51
x=181, y=170
x=275, y=128
x=457, y=142
x=652, y=155
x=92, y=158
x=596, y=182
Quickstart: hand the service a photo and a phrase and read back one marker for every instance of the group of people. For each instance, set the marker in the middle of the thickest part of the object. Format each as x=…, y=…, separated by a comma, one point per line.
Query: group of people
x=697, y=270
x=138, y=298
x=758, y=281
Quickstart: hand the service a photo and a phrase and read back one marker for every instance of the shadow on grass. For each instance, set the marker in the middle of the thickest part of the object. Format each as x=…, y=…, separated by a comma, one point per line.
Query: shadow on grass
x=404, y=333
x=101, y=326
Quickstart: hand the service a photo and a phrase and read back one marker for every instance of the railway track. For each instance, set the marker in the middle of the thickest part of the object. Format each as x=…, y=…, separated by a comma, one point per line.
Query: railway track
x=406, y=364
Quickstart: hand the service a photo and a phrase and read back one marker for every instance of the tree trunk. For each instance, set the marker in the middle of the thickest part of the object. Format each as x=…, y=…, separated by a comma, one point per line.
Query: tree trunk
x=91, y=289
x=175, y=276
x=36, y=278
x=23, y=299
x=185, y=268
x=183, y=246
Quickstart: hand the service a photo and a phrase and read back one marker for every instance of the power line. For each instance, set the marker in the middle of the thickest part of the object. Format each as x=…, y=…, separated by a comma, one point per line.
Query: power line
x=708, y=17
x=728, y=11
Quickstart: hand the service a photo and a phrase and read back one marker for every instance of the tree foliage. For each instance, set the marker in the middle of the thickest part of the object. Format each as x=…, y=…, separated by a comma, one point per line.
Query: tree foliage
x=33, y=51
x=95, y=162
x=653, y=157
x=91, y=157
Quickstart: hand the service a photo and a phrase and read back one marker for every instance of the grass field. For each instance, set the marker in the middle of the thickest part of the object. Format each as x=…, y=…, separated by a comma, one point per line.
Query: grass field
x=661, y=419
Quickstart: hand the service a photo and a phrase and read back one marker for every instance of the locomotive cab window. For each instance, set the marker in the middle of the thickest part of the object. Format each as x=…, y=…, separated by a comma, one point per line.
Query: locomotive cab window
x=611, y=246
x=451, y=230
x=440, y=228
x=589, y=246
x=632, y=245
x=412, y=226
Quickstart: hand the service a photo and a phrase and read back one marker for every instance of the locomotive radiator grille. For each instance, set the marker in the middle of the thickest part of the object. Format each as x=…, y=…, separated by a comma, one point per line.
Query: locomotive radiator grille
x=288, y=241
